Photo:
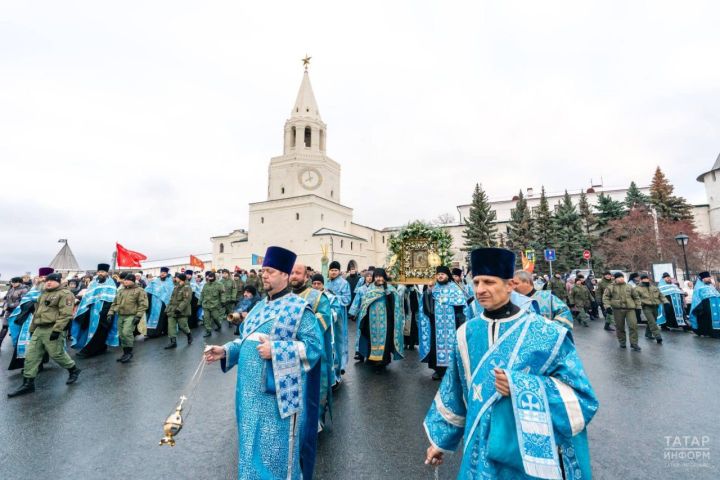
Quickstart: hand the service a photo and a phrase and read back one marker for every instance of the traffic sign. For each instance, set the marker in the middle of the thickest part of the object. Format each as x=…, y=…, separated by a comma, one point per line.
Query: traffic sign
x=550, y=255
x=530, y=254
x=586, y=255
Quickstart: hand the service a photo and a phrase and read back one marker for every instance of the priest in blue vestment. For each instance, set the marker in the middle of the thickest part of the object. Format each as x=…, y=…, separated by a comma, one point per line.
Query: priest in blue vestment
x=355, y=308
x=339, y=287
x=160, y=290
x=544, y=302
x=705, y=307
x=321, y=304
x=91, y=330
x=671, y=314
x=441, y=314
x=515, y=392
x=278, y=380
x=381, y=323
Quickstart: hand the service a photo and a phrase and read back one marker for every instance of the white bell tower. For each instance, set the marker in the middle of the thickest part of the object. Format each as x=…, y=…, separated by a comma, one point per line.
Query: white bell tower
x=304, y=168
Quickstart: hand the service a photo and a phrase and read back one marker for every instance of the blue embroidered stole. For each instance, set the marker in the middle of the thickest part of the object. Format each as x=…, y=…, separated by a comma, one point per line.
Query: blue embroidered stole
x=20, y=334
x=676, y=301
x=161, y=292
x=446, y=297
x=705, y=292
x=527, y=348
x=97, y=293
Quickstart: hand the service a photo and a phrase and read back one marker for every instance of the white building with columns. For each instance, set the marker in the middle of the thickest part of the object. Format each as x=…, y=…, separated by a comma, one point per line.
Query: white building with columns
x=303, y=211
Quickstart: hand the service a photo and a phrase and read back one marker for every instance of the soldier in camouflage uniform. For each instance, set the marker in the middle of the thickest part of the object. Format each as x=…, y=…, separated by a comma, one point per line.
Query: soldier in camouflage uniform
x=623, y=300
x=131, y=303
x=53, y=313
x=650, y=299
x=579, y=300
x=179, y=310
x=212, y=300
x=230, y=290
x=602, y=285
x=557, y=287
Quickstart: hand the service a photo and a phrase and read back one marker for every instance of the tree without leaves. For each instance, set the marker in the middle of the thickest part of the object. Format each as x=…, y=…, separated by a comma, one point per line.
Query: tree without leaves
x=571, y=240
x=445, y=219
x=667, y=205
x=480, y=229
x=521, y=231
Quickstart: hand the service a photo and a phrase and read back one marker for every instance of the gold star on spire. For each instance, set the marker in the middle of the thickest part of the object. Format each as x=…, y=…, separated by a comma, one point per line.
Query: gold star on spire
x=306, y=61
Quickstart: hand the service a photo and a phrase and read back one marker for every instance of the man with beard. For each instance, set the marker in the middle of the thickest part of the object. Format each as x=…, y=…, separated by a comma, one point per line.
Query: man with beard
x=179, y=310
x=443, y=311
x=160, y=290
x=52, y=315
x=278, y=377
x=355, y=308
x=545, y=303
x=339, y=287
x=20, y=319
x=12, y=301
x=672, y=313
x=212, y=300
x=92, y=329
x=321, y=304
x=352, y=278
x=705, y=307
x=130, y=304
x=381, y=323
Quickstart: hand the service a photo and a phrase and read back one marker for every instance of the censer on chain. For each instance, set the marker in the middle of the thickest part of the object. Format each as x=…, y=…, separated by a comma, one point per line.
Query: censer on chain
x=173, y=424
x=175, y=421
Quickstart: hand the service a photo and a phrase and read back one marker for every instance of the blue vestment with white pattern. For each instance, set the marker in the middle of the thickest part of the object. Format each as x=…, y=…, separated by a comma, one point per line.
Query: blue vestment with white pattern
x=355, y=310
x=445, y=298
x=675, y=297
x=160, y=292
x=341, y=289
x=543, y=422
x=551, y=307
x=95, y=298
x=702, y=292
x=375, y=307
x=274, y=399
x=20, y=334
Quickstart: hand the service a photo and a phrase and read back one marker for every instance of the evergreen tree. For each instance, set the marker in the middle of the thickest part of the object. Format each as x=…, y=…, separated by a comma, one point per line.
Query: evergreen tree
x=520, y=229
x=480, y=229
x=667, y=205
x=571, y=240
x=588, y=217
x=635, y=198
x=608, y=209
x=544, y=232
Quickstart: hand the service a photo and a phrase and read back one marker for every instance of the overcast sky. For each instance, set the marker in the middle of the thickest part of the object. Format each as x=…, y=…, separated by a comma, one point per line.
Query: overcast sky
x=152, y=123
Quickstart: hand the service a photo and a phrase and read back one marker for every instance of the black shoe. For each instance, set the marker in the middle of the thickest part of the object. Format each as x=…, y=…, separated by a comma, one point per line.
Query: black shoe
x=218, y=329
x=635, y=348
x=172, y=344
x=609, y=327
x=28, y=386
x=189, y=337
x=127, y=356
x=585, y=323
x=648, y=334
x=658, y=340
x=74, y=373
x=667, y=329
x=237, y=330
x=622, y=345
x=206, y=334
x=122, y=356
x=80, y=354
x=358, y=356
x=437, y=376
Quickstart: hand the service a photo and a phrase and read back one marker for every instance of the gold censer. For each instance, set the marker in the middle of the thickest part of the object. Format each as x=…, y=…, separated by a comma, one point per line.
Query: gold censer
x=173, y=424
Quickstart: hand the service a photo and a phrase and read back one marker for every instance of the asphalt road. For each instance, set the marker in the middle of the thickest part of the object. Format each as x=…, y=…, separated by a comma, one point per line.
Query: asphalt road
x=660, y=402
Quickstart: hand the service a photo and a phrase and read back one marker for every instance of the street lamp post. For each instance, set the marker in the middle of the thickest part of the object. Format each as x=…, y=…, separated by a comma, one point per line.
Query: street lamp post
x=682, y=240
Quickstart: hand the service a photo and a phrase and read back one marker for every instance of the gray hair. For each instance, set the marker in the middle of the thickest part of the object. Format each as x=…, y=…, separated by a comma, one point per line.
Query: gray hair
x=523, y=276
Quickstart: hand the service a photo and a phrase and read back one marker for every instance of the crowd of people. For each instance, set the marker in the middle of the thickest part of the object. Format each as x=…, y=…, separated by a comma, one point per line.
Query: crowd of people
x=490, y=333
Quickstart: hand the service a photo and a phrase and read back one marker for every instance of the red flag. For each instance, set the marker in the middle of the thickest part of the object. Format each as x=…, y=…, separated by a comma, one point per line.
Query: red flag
x=196, y=262
x=128, y=258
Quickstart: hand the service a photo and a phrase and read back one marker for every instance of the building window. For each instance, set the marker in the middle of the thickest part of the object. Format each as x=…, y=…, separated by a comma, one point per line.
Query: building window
x=383, y=239
x=297, y=216
x=262, y=219
x=351, y=245
x=713, y=176
x=342, y=243
x=294, y=137
x=322, y=140
x=332, y=192
x=322, y=216
x=222, y=248
x=361, y=247
x=308, y=137
x=282, y=190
